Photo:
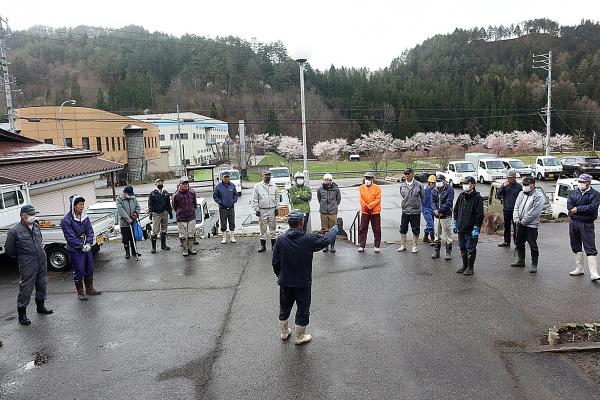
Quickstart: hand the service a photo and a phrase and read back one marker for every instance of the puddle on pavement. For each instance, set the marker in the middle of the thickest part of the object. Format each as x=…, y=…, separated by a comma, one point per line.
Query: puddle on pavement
x=39, y=358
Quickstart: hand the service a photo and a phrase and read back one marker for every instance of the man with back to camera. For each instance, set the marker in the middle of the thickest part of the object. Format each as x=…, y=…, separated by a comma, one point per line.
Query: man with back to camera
x=292, y=263
x=507, y=193
x=24, y=241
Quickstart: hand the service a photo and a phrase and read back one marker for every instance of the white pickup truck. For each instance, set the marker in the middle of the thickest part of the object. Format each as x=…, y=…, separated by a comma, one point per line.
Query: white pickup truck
x=14, y=196
x=547, y=167
x=456, y=171
x=561, y=193
x=489, y=167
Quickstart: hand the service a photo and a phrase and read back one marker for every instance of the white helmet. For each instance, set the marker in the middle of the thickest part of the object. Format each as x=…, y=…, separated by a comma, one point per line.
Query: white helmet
x=299, y=174
x=327, y=176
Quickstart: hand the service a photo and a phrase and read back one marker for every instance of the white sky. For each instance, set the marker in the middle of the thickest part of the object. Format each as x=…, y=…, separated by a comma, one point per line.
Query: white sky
x=368, y=33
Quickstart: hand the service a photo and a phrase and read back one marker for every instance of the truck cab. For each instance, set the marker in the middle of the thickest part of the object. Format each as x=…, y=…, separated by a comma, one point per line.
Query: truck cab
x=561, y=193
x=519, y=167
x=490, y=169
x=456, y=171
x=547, y=167
x=280, y=176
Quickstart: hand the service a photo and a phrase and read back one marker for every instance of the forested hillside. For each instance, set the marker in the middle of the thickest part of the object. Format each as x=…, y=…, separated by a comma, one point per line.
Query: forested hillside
x=472, y=81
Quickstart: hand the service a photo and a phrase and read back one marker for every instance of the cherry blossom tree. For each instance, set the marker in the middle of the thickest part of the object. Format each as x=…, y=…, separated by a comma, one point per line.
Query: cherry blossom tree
x=561, y=142
x=376, y=145
x=331, y=149
x=290, y=147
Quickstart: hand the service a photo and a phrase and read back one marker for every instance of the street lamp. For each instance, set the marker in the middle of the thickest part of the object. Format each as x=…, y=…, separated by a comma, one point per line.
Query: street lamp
x=301, y=58
x=62, y=123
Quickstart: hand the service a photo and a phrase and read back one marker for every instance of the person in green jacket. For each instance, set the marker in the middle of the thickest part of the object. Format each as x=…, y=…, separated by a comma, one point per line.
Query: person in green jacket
x=300, y=196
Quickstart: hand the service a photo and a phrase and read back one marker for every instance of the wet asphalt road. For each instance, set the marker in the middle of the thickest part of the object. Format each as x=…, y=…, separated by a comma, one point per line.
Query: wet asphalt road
x=384, y=326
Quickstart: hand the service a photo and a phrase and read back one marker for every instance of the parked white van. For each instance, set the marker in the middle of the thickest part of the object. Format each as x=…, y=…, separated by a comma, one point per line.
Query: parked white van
x=561, y=193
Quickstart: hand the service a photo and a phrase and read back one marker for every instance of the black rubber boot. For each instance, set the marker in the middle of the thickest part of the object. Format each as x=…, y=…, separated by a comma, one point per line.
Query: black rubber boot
x=127, y=253
x=464, y=263
x=448, y=252
x=80, y=292
x=534, y=262
x=332, y=248
x=263, y=246
x=326, y=249
x=470, y=263
x=426, y=238
x=436, y=250
x=89, y=287
x=153, y=240
x=163, y=242
x=273, y=243
x=23, y=320
x=41, y=308
x=520, y=263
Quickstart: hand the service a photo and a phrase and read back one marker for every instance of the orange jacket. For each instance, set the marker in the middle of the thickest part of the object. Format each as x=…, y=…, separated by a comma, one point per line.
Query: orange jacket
x=370, y=199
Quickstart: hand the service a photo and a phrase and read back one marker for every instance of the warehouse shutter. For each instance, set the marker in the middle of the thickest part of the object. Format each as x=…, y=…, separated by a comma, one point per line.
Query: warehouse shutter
x=57, y=201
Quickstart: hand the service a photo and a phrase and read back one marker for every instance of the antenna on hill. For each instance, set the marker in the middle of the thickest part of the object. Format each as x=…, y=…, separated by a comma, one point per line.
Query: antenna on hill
x=4, y=33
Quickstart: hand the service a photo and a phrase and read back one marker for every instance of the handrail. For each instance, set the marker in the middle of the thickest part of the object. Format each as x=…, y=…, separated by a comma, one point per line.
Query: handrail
x=354, y=228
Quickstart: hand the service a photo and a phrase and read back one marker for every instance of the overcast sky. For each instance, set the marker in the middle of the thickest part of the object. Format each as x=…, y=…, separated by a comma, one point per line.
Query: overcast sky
x=367, y=33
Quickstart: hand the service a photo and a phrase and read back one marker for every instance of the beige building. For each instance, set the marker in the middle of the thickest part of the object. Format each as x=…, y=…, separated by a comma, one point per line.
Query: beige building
x=120, y=139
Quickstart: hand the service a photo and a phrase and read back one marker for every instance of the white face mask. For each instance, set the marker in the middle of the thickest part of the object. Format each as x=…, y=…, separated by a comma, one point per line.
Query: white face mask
x=31, y=219
x=439, y=184
x=466, y=187
x=526, y=189
x=368, y=182
x=300, y=181
x=582, y=186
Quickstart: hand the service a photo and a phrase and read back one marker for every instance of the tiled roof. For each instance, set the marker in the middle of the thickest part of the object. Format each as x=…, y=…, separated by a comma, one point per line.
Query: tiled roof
x=20, y=152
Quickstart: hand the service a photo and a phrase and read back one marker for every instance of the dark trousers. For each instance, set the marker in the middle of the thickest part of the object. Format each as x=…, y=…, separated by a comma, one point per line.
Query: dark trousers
x=525, y=234
x=127, y=237
x=415, y=223
x=227, y=216
x=306, y=217
x=582, y=233
x=375, y=220
x=82, y=263
x=33, y=275
x=467, y=243
x=508, y=225
x=299, y=295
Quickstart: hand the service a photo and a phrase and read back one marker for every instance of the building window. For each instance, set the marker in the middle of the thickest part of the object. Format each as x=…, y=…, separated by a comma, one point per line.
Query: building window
x=162, y=137
x=48, y=141
x=85, y=143
x=112, y=139
x=118, y=144
x=69, y=142
x=145, y=142
x=124, y=143
x=99, y=143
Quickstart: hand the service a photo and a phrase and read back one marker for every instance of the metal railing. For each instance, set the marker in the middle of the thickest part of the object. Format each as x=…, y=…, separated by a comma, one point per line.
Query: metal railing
x=354, y=228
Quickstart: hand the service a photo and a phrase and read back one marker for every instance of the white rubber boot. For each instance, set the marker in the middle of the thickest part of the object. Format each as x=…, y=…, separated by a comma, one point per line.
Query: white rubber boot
x=361, y=249
x=301, y=336
x=285, y=330
x=376, y=249
x=232, y=236
x=224, y=240
x=402, y=243
x=578, y=265
x=415, y=246
x=593, y=266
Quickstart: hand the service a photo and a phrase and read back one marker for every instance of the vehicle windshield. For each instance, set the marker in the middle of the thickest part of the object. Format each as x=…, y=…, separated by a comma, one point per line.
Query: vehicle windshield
x=496, y=164
x=552, y=162
x=592, y=160
x=280, y=173
x=465, y=167
x=517, y=164
x=596, y=186
x=233, y=175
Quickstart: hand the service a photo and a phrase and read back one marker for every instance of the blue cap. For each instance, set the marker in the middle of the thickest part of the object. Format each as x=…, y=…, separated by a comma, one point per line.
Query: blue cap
x=295, y=216
x=28, y=209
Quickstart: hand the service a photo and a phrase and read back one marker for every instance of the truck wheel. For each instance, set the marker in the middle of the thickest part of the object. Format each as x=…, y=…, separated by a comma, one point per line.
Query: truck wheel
x=576, y=173
x=58, y=258
x=481, y=180
x=540, y=177
x=451, y=183
x=214, y=230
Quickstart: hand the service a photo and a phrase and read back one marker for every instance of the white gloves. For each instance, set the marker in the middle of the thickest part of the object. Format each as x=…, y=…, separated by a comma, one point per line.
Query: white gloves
x=87, y=247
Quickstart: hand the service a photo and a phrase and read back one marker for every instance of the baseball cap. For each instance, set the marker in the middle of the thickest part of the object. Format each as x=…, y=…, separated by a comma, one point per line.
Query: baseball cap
x=369, y=175
x=528, y=181
x=584, y=178
x=295, y=216
x=28, y=209
x=158, y=180
x=440, y=178
x=184, y=179
x=266, y=172
x=408, y=171
x=468, y=180
x=511, y=174
x=128, y=190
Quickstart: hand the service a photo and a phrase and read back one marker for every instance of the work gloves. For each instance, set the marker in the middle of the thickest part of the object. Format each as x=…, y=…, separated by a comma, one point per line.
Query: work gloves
x=86, y=247
x=257, y=213
x=454, y=228
x=475, y=232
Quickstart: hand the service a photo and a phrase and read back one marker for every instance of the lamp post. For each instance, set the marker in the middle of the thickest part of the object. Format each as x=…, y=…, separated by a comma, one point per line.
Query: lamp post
x=62, y=123
x=301, y=60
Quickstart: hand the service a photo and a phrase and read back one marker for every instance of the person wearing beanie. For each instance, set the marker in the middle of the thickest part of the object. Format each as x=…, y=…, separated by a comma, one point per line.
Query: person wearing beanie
x=370, y=211
x=583, y=203
x=411, y=192
x=128, y=210
x=468, y=218
x=24, y=242
x=329, y=197
x=526, y=216
x=159, y=206
x=79, y=234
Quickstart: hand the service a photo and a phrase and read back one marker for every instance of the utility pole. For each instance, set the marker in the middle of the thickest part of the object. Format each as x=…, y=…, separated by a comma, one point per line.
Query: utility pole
x=594, y=142
x=243, y=161
x=181, y=159
x=6, y=78
x=544, y=61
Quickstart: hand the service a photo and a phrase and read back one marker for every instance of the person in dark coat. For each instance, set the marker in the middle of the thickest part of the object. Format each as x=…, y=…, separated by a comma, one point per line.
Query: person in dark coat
x=583, y=203
x=159, y=206
x=468, y=218
x=225, y=195
x=79, y=234
x=128, y=209
x=185, y=204
x=442, y=199
x=24, y=241
x=507, y=193
x=292, y=263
